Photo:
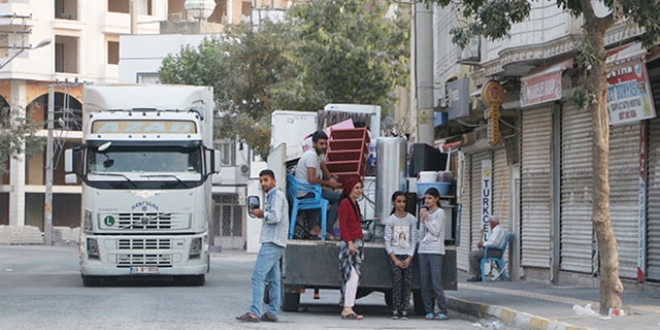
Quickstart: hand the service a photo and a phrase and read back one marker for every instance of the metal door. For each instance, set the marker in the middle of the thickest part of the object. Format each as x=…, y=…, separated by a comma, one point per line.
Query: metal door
x=229, y=228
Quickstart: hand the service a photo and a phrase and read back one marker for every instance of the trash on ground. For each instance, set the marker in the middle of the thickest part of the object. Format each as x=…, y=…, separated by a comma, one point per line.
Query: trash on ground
x=491, y=325
x=586, y=310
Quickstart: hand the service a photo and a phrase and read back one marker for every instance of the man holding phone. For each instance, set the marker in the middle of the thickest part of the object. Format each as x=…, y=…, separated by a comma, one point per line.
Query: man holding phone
x=273, y=241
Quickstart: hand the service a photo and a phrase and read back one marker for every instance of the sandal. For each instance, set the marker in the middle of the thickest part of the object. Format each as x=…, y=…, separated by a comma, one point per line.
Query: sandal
x=248, y=317
x=351, y=316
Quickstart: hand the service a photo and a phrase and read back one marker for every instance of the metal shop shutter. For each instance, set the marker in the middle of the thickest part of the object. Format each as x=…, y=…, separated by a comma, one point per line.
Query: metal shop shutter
x=624, y=194
x=576, y=190
x=464, y=248
x=502, y=191
x=475, y=203
x=536, y=187
x=501, y=187
x=653, y=211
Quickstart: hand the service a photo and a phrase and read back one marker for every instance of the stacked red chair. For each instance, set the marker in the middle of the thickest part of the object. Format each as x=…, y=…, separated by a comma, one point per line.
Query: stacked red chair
x=347, y=152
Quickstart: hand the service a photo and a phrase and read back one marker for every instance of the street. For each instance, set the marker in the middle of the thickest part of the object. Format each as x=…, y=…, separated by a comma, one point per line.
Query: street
x=41, y=288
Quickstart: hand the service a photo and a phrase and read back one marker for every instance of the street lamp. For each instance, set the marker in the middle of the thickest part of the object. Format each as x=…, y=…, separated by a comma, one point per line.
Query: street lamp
x=39, y=45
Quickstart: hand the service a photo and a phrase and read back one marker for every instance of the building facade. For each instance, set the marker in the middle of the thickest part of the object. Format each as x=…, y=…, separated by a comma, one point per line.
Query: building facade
x=541, y=179
x=84, y=48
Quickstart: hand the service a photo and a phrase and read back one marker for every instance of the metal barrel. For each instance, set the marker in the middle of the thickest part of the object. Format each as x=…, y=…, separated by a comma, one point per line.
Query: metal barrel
x=390, y=174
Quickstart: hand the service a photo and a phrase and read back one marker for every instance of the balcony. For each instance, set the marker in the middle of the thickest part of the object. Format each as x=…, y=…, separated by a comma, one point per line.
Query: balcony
x=15, y=17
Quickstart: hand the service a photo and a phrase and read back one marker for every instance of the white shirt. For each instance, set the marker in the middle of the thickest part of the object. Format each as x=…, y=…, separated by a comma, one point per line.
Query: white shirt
x=496, y=237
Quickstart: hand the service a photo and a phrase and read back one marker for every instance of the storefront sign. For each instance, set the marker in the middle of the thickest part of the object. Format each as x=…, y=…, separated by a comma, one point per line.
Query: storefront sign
x=493, y=94
x=629, y=94
x=540, y=89
x=486, y=195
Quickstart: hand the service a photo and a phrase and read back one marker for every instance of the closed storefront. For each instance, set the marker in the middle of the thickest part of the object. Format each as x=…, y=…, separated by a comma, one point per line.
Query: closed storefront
x=653, y=211
x=465, y=220
x=535, y=178
x=576, y=190
x=501, y=187
x=624, y=194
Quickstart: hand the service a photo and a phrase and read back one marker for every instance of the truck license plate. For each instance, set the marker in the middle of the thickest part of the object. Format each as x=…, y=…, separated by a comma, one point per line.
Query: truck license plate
x=144, y=270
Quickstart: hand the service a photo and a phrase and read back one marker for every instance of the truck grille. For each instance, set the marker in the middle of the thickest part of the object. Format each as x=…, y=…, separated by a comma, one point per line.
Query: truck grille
x=144, y=244
x=158, y=220
x=161, y=260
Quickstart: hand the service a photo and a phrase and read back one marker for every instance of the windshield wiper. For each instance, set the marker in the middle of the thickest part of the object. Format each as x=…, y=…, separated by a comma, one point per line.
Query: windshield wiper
x=165, y=176
x=115, y=174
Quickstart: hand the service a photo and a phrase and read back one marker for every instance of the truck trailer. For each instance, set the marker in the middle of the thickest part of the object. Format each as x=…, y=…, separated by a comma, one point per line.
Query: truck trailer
x=145, y=166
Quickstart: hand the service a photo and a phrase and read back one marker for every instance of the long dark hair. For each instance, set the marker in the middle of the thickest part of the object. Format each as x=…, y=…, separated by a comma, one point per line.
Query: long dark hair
x=394, y=196
x=435, y=193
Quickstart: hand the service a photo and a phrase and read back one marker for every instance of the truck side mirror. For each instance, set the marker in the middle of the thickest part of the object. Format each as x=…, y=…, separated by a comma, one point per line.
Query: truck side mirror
x=68, y=161
x=217, y=161
x=253, y=202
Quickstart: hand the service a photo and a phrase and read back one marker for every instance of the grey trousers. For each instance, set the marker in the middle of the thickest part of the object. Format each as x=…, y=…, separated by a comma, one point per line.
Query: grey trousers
x=430, y=272
x=475, y=257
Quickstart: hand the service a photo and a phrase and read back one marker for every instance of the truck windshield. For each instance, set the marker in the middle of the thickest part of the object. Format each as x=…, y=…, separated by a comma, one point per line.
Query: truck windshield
x=144, y=159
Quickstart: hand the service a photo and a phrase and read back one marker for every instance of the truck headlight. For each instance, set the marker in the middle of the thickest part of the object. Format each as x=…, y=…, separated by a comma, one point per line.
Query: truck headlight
x=92, y=248
x=88, y=226
x=195, y=247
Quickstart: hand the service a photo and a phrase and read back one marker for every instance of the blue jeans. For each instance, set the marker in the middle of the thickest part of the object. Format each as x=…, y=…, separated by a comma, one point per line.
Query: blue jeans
x=430, y=272
x=333, y=198
x=267, y=268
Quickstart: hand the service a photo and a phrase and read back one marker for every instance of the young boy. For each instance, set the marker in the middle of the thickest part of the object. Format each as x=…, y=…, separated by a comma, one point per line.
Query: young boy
x=273, y=241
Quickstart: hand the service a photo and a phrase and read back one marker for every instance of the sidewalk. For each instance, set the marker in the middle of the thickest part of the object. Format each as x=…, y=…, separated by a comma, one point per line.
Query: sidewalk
x=541, y=305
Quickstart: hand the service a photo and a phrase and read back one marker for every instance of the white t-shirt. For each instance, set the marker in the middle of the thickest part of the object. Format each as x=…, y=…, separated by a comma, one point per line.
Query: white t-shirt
x=309, y=159
x=496, y=237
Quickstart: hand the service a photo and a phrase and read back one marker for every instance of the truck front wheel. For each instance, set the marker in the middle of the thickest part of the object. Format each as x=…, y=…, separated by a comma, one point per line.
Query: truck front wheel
x=290, y=301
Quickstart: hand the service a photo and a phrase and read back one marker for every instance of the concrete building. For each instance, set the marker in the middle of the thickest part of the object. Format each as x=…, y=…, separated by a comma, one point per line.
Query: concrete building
x=84, y=48
x=538, y=175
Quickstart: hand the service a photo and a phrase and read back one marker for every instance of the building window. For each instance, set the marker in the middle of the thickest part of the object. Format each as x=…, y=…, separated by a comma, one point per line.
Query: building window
x=66, y=9
x=148, y=78
x=113, y=52
x=227, y=149
x=144, y=7
x=66, y=54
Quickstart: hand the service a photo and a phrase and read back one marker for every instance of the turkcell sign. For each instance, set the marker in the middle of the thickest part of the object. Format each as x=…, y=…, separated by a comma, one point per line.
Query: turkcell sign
x=144, y=126
x=486, y=195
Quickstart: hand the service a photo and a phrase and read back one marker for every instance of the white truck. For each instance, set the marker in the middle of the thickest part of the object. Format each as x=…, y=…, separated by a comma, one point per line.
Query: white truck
x=145, y=165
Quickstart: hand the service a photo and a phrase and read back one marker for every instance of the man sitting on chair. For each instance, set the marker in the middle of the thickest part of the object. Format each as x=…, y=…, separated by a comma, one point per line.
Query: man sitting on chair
x=495, y=239
x=311, y=169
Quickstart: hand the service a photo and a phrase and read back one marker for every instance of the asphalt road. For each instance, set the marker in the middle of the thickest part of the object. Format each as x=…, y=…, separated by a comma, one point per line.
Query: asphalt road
x=41, y=288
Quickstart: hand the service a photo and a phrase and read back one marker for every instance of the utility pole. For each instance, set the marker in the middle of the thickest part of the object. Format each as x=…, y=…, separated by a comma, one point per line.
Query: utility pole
x=48, y=201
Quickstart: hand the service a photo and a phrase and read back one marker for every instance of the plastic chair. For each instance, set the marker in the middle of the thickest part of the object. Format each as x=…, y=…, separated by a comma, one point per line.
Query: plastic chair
x=306, y=202
x=499, y=261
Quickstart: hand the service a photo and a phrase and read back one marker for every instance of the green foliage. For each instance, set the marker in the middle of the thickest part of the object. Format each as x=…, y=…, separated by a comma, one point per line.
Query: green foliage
x=338, y=51
x=493, y=18
x=15, y=133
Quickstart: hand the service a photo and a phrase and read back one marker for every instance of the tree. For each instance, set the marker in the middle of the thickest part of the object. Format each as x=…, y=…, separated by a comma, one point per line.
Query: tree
x=15, y=133
x=493, y=19
x=345, y=51
x=322, y=52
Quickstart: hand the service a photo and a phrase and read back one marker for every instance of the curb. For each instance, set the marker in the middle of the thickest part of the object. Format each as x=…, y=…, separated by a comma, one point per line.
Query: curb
x=508, y=316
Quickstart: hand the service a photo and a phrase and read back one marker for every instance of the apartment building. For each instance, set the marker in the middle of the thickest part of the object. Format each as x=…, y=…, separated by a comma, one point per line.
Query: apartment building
x=78, y=43
x=538, y=175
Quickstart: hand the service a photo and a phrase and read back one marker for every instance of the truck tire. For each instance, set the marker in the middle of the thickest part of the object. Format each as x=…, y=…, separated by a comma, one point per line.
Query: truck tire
x=290, y=301
x=418, y=302
x=91, y=281
x=388, y=298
